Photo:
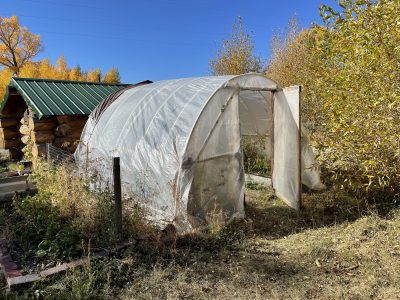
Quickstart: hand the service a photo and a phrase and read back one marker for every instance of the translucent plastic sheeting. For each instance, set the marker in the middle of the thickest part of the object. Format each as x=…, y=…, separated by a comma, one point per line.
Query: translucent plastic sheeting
x=179, y=145
x=286, y=165
x=310, y=175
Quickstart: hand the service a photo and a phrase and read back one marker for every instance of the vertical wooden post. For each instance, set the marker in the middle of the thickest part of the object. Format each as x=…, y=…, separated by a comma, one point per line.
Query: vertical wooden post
x=118, y=196
x=299, y=153
x=272, y=133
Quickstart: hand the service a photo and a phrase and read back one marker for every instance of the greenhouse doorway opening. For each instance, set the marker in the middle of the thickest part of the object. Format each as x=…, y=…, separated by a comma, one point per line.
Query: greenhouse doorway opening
x=257, y=144
x=240, y=148
x=257, y=137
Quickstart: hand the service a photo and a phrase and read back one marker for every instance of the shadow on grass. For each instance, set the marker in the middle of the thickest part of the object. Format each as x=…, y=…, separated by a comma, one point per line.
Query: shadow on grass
x=274, y=219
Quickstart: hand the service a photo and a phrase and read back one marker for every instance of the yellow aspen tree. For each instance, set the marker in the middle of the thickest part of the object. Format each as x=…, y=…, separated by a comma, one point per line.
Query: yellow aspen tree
x=30, y=70
x=112, y=76
x=5, y=77
x=94, y=75
x=236, y=55
x=47, y=70
x=76, y=74
x=62, y=68
x=17, y=45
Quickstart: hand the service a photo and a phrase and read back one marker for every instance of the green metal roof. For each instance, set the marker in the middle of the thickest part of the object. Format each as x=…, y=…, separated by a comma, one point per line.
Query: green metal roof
x=59, y=97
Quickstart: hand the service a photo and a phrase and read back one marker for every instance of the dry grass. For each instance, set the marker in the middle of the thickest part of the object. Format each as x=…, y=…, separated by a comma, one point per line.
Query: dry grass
x=336, y=248
x=325, y=252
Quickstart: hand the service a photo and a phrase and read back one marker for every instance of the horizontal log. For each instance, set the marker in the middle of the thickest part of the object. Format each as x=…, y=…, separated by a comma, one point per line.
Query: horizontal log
x=62, y=130
x=11, y=115
x=76, y=123
x=42, y=136
x=32, y=121
x=39, y=126
x=25, y=139
x=65, y=130
x=9, y=144
x=8, y=122
x=67, y=119
x=75, y=134
x=9, y=133
x=39, y=150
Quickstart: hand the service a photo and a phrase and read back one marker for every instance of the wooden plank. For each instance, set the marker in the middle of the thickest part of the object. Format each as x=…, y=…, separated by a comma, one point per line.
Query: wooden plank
x=272, y=124
x=299, y=153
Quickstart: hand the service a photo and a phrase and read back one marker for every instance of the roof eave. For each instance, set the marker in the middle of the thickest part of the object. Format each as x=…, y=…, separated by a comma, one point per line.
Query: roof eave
x=5, y=98
x=28, y=100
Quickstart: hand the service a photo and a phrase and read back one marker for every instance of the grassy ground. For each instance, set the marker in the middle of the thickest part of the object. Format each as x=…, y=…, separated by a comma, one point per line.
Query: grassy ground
x=336, y=248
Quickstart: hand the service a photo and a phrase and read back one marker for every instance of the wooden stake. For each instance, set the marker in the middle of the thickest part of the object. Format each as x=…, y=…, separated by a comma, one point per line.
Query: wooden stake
x=299, y=151
x=272, y=124
x=118, y=196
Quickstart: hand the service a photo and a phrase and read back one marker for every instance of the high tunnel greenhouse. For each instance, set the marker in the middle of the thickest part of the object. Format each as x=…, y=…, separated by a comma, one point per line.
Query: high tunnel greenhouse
x=179, y=143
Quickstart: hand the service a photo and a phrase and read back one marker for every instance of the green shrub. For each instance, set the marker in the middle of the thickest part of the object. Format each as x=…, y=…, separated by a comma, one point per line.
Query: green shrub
x=350, y=73
x=41, y=229
x=65, y=216
x=255, y=156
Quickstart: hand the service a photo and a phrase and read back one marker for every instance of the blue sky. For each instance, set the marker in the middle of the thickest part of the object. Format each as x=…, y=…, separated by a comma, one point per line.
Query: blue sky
x=159, y=39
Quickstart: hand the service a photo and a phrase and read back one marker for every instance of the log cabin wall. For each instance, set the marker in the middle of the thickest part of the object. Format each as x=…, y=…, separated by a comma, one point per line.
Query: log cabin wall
x=35, y=112
x=25, y=135
x=10, y=125
x=61, y=131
